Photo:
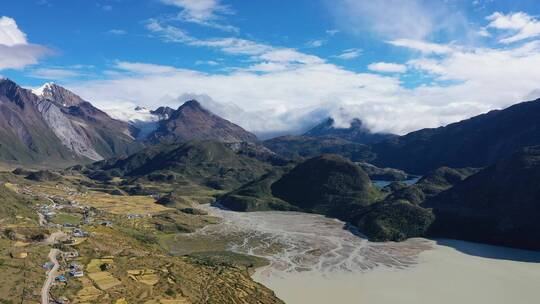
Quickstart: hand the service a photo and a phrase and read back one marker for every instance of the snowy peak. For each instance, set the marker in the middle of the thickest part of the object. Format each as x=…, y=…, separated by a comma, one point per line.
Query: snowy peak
x=59, y=95
x=46, y=87
x=163, y=112
x=141, y=109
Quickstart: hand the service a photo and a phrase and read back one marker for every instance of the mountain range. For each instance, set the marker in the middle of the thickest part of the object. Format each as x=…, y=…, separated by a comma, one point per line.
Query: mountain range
x=480, y=178
x=53, y=127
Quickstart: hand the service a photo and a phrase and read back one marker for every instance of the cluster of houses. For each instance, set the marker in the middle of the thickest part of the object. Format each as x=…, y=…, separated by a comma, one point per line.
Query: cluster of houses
x=79, y=233
x=49, y=211
x=133, y=216
x=75, y=270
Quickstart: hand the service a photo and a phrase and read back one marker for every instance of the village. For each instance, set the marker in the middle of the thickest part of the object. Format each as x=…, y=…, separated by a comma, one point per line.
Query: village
x=68, y=220
x=89, y=246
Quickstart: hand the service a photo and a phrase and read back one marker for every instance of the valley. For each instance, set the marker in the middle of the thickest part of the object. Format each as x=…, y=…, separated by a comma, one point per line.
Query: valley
x=199, y=210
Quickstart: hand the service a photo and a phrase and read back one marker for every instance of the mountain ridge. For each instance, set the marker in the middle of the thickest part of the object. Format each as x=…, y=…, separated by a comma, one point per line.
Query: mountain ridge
x=356, y=132
x=475, y=142
x=191, y=121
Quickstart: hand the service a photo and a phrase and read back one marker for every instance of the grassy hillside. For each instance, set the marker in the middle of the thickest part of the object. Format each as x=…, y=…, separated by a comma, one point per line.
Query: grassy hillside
x=206, y=164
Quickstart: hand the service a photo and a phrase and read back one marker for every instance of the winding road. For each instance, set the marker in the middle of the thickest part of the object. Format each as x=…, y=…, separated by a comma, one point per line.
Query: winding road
x=51, y=275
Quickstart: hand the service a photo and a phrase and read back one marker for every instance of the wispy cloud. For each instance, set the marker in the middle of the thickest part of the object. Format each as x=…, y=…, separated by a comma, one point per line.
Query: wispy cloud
x=144, y=68
x=62, y=72
x=393, y=18
x=53, y=73
x=332, y=32
x=422, y=46
x=203, y=12
x=316, y=43
x=117, y=32
x=521, y=24
x=207, y=62
x=349, y=54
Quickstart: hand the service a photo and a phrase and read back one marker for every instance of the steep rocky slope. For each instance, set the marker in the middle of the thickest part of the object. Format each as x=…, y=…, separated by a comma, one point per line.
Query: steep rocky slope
x=83, y=128
x=25, y=136
x=54, y=127
x=193, y=122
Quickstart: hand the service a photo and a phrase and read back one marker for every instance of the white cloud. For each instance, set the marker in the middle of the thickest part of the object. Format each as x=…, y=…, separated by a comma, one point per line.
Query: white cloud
x=233, y=46
x=168, y=33
x=289, y=55
x=422, y=46
x=349, y=54
x=523, y=25
x=203, y=12
x=316, y=43
x=414, y=19
x=288, y=90
x=53, y=73
x=387, y=67
x=483, y=32
x=279, y=89
x=206, y=62
x=332, y=32
x=144, y=68
x=15, y=51
x=10, y=34
x=117, y=32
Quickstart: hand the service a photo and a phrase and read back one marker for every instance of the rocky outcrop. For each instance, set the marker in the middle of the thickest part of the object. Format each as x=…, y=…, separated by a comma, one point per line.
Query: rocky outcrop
x=72, y=135
x=163, y=112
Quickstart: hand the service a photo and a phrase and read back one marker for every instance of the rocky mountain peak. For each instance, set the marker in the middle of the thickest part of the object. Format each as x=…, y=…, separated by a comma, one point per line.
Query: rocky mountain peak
x=59, y=95
x=192, y=104
x=163, y=112
x=141, y=109
x=191, y=121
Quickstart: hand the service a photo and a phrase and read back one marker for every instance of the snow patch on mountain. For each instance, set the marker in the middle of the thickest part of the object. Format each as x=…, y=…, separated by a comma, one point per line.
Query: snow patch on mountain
x=40, y=91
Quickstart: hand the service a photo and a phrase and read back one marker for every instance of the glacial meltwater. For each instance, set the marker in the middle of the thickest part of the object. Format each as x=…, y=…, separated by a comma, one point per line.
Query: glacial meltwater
x=314, y=259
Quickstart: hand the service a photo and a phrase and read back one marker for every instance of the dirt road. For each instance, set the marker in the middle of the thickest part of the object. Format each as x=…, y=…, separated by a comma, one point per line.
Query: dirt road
x=51, y=275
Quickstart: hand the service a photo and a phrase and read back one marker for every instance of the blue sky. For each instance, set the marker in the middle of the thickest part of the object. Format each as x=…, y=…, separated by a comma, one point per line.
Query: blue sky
x=280, y=66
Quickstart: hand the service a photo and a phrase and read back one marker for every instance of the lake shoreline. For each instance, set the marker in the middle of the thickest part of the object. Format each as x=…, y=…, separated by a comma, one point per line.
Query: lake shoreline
x=443, y=274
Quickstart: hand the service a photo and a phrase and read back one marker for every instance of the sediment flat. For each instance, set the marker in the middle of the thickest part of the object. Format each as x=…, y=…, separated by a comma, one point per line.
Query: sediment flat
x=451, y=272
